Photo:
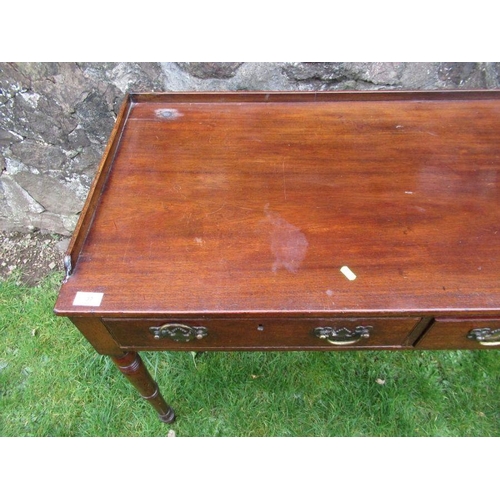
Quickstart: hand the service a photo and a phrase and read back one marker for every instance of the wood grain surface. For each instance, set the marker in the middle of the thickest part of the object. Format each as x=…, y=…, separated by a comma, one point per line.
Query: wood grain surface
x=250, y=205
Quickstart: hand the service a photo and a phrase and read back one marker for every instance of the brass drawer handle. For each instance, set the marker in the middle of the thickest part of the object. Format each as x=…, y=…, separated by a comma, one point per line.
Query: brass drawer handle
x=342, y=336
x=485, y=336
x=178, y=332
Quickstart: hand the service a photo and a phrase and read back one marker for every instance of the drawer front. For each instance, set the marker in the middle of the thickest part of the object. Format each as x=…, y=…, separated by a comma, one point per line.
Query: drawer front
x=462, y=334
x=279, y=334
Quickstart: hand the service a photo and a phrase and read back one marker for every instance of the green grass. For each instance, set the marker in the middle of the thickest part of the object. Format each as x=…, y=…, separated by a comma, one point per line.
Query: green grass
x=52, y=383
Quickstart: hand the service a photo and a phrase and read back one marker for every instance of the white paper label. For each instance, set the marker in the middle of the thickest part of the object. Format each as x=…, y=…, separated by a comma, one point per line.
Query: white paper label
x=348, y=273
x=89, y=299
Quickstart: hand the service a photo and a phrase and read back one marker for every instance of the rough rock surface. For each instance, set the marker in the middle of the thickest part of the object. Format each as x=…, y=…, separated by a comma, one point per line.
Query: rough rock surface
x=55, y=118
x=210, y=69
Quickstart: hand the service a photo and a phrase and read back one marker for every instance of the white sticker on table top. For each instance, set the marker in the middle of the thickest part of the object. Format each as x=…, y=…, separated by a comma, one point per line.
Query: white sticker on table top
x=89, y=299
x=347, y=273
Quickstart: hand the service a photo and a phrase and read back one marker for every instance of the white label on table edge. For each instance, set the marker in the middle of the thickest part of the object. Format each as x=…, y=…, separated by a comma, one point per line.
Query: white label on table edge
x=89, y=299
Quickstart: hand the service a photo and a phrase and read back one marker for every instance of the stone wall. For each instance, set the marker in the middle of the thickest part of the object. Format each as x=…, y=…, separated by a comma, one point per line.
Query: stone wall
x=55, y=118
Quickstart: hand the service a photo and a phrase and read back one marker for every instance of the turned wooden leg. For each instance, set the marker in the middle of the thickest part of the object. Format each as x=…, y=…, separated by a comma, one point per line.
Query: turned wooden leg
x=131, y=365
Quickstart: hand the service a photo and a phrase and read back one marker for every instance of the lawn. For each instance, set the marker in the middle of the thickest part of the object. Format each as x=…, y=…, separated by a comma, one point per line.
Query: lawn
x=52, y=383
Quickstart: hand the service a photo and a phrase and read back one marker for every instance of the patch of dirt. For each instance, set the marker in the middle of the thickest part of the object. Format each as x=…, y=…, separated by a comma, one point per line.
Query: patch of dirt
x=32, y=255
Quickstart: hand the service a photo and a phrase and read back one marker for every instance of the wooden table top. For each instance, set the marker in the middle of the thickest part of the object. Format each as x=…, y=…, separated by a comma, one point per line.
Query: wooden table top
x=253, y=204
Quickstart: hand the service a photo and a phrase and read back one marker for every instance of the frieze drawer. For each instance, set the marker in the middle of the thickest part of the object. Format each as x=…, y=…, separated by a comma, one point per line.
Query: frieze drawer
x=462, y=334
x=227, y=334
